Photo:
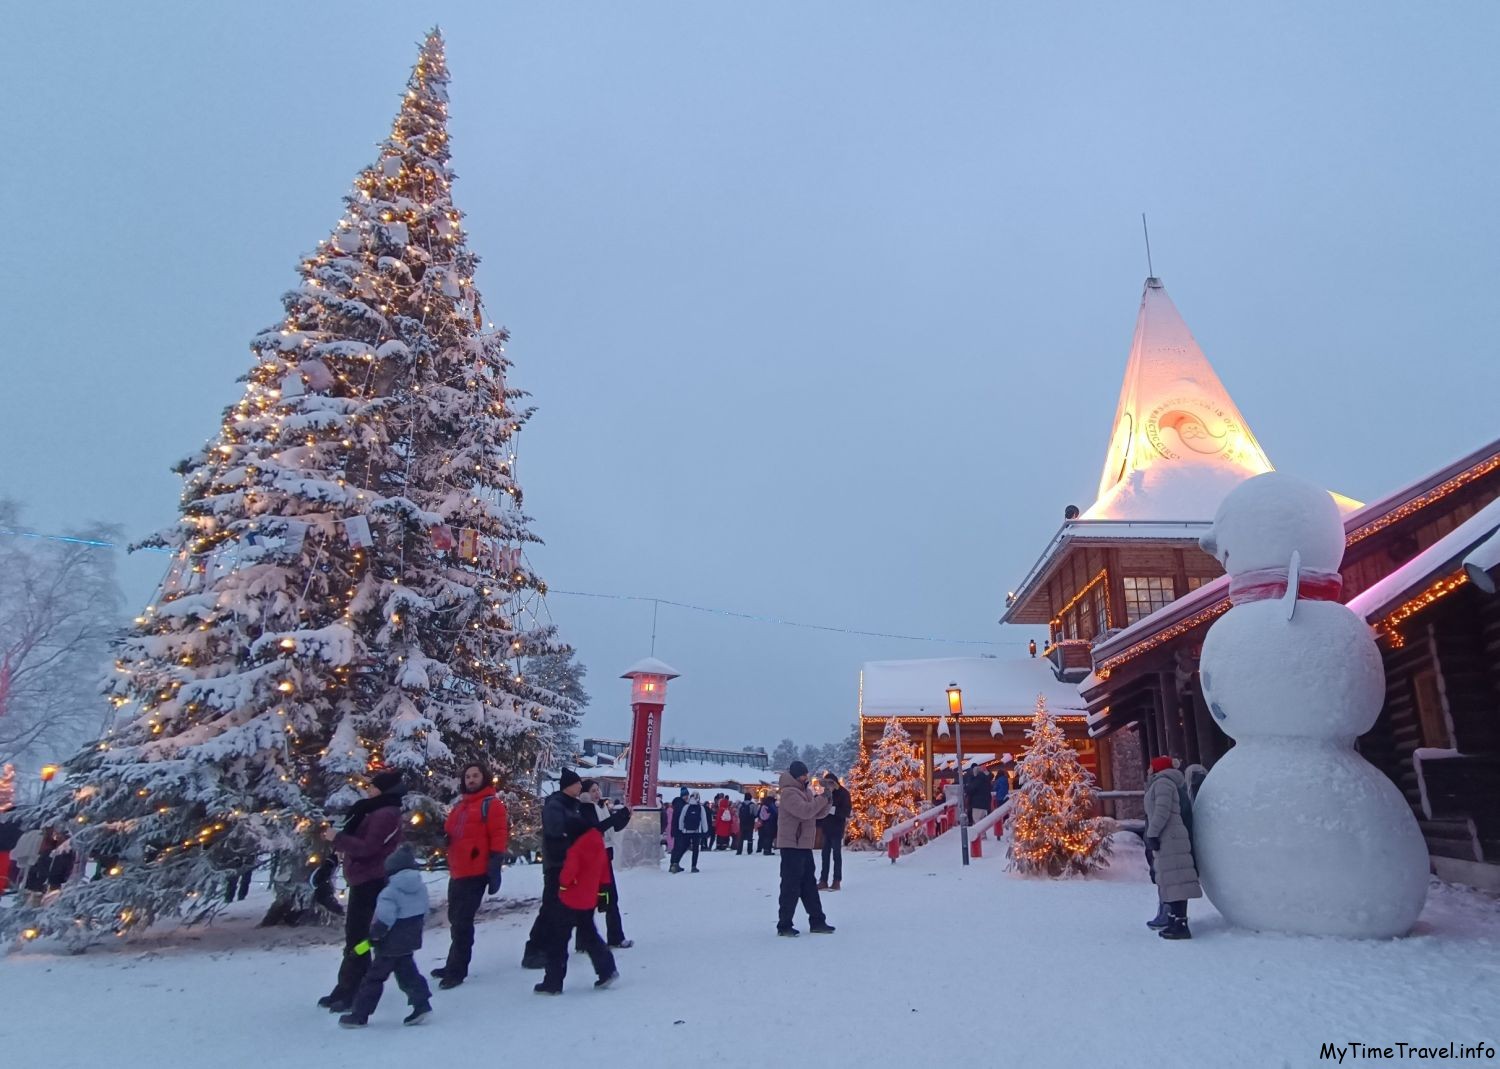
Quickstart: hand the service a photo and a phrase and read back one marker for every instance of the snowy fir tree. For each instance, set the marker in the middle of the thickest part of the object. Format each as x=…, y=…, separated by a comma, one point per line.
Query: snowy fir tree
x=348, y=588
x=783, y=755
x=891, y=788
x=560, y=674
x=1053, y=830
x=859, y=832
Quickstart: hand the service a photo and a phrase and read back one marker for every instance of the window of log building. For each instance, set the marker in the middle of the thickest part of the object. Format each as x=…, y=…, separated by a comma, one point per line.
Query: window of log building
x=1430, y=709
x=1145, y=594
x=1101, y=617
x=1195, y=581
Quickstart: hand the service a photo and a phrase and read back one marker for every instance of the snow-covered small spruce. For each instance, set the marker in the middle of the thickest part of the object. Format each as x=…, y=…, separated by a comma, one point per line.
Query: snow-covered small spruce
x=890, y=790
x=859, y=833
x=1052, y=829
x=349, y=586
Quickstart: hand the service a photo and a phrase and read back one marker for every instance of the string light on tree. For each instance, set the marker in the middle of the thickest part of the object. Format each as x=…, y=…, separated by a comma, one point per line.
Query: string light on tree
x=885, y=788
x=1053, y=830
x=318, y=613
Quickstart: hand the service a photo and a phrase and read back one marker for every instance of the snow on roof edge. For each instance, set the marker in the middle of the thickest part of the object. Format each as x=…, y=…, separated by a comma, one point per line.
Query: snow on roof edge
x=1446, y=552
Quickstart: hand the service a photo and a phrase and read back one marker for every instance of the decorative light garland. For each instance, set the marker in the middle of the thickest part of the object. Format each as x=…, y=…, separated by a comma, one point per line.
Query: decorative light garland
x=1417, y=504
x=1389, y=625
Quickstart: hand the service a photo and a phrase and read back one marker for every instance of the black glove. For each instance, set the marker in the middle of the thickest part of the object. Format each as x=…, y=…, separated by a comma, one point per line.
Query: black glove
x=495, y=870
x=602, y=905
x=1153, y=843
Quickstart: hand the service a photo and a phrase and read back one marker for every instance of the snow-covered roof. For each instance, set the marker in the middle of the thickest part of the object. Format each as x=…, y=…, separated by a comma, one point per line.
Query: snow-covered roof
x=1179, y=443
x=1390, y=508
x=1482, y=562
x=992, y=687
x=1094, y=532
x=650, y=666
x=1444, y=555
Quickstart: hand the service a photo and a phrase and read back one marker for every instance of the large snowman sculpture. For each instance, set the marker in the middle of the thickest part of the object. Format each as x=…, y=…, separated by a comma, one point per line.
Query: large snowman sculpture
x=1293, y=830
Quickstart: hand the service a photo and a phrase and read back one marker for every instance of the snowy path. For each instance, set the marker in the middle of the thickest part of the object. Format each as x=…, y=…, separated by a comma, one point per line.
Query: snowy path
x=1059, y=974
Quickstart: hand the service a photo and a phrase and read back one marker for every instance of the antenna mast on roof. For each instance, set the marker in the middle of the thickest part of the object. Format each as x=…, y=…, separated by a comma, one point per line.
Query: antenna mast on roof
x=1150, y=271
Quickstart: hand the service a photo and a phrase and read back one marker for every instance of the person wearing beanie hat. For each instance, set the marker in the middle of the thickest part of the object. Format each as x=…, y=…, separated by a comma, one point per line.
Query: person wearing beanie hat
x=1169, y=848
x=800, y=810
x=387, y=779
x=370, y=834
x=395, y=935
x=564, y=818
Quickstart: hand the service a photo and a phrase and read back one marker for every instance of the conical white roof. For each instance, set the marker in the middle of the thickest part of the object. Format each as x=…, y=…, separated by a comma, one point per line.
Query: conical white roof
x=1179, y=443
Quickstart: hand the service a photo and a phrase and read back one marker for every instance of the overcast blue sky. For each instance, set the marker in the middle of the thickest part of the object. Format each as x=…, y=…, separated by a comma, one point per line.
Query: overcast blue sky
x=825, y=305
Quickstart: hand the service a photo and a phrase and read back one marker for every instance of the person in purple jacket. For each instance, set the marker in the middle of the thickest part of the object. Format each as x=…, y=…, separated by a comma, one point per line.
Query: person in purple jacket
x=370, y=834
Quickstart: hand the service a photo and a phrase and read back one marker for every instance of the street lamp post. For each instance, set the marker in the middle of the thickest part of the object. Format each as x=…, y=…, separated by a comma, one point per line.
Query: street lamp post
x=956, y=708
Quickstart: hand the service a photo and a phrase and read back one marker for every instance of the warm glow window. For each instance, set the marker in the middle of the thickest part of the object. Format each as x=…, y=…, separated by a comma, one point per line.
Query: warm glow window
x=1195, y=581
x=1145, y=594
x=1101, y=616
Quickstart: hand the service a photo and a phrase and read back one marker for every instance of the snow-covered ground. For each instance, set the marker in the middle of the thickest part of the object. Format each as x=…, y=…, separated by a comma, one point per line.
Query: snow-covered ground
x=931, y=964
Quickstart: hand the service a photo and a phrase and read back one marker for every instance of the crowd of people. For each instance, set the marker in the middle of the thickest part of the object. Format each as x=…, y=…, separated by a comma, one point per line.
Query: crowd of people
x=43, y=859
x=385, y=908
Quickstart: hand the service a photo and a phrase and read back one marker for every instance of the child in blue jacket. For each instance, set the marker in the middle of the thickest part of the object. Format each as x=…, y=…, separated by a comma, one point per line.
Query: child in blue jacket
x=395, y=935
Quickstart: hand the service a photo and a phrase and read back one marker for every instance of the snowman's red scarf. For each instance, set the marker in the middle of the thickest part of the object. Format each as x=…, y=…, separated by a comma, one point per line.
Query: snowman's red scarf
x=1267, y=583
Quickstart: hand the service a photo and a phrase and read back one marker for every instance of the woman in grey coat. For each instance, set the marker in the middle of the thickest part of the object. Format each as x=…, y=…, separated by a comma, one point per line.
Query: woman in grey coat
x=1170, y=844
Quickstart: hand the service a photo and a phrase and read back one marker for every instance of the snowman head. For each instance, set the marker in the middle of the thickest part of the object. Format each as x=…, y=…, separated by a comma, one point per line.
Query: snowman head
x=1265, y=518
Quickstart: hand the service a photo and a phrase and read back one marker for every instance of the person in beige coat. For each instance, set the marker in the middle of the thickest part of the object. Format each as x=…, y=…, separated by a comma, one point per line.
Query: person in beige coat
x=796, y=832
x=1169, y=842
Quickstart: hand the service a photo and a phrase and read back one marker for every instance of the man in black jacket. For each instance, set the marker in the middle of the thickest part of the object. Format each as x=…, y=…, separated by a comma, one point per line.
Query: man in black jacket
x=833, y=832
x=564, y=819
x=748, y=809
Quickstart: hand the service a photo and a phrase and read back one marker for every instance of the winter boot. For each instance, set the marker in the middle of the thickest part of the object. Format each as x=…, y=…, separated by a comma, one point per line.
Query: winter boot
x=543, y=989
x=339, y=1005
x=605, y=981
x=353, y=1020
x=418, y=1015
x=448, y=983
x=623, y=944
x=675, y=868
x=821, y=929
x=694, y=868
x=822, y=885
x=790, y=933
x=534, y=960
x=836, y=885
x=1177, y=928
x=1162, y=918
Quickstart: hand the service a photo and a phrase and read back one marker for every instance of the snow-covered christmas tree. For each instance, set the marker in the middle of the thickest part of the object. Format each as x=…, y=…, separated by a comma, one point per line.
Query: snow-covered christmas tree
x=1053, y=830
x=858, y=831
x=349, y=587
x=891, y=785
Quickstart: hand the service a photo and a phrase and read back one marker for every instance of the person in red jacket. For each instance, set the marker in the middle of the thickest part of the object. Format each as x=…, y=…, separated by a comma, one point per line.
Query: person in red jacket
x=478, y=830
x=585, y=872
x=724, y=822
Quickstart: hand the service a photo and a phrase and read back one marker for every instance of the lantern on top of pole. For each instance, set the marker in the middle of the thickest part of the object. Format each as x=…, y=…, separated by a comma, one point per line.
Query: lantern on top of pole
x=956, y=710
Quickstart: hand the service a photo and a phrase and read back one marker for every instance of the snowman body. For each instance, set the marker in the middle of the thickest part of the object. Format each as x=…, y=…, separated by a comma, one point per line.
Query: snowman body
x=1293, y=830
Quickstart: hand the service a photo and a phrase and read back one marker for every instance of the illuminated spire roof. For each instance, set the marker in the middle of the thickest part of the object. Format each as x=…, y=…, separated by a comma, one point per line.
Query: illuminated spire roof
x=1179, y=444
